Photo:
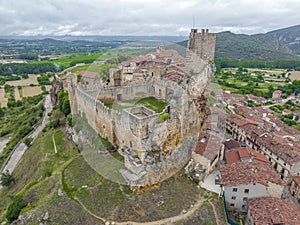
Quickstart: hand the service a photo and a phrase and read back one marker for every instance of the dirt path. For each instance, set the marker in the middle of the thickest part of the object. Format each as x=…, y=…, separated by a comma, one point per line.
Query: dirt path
x=170, y=220
x=54, y=144
x=166, y=221
x=215, y=213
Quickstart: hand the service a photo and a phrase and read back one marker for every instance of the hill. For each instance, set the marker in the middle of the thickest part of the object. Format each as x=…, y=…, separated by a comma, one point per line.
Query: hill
x=288, y=36
x=279, y=44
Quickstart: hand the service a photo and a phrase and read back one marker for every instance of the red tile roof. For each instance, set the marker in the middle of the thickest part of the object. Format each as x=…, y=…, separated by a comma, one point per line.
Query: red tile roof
x=208, y=145
x=271, y=211
x=279, y=147
x=249, y=172
x=278, y=92
x=236, y=154
x=297, y=180
x=232, y=157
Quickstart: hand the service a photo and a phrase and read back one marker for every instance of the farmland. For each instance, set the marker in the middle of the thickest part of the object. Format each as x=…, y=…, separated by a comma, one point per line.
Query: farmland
x=23, y=88
x=295, y=75
x=32, y=79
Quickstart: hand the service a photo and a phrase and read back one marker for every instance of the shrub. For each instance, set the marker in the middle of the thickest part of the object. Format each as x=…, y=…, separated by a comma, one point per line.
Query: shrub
x=15, y=208
x=27, y=141
x=163, y=117
x=7, y=179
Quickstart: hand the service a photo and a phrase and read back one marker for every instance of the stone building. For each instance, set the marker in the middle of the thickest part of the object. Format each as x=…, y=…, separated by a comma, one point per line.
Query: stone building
x=246, y=180
x=206, y=155
x=153, y=149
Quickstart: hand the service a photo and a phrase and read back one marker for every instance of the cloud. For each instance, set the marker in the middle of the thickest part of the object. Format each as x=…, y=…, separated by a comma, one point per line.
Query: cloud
x=147, y=17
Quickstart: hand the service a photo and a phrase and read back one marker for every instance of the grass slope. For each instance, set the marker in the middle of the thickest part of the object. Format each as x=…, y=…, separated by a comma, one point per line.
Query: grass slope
x=86, y=194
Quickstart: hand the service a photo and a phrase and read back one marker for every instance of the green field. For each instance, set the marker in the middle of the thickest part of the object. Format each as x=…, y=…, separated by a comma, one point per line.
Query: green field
x=150, y=103
x=115, y=56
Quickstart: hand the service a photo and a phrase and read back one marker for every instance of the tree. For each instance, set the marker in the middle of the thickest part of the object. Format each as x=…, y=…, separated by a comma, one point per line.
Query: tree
x=7, y=179
x=66, y=109
x=64, y=103
x=27, y=141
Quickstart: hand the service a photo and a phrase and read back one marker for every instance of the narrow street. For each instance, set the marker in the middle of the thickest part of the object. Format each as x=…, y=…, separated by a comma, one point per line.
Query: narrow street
x=21, y=148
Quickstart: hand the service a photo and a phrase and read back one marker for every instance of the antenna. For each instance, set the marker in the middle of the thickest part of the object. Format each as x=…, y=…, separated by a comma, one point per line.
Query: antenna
x=193, y=22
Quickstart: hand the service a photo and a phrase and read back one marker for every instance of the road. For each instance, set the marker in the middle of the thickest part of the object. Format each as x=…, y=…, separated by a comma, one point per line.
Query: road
x=291, y=97
x=21, y=148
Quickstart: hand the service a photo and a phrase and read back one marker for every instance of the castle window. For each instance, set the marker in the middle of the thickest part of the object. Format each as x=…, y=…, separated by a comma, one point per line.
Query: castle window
x=233, y=197
x=234, y=190
x=130, y=143
x=246, y=191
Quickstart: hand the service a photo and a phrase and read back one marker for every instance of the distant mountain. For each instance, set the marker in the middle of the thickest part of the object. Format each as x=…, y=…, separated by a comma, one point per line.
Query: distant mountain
x=279, y=44
x=288, y=36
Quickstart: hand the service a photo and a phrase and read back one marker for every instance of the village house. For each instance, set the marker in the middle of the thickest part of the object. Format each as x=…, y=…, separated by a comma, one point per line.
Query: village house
x=286, y=112
x=246, y=180
x=208, y=151
x=243, y=154
x=272, y=211
x=276, y=94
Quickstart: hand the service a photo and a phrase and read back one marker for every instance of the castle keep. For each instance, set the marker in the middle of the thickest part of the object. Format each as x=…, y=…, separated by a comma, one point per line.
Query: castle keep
x=155, y=145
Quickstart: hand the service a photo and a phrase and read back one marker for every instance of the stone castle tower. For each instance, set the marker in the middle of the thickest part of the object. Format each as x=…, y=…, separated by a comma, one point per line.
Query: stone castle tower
x=200, y=68
x=200, y=50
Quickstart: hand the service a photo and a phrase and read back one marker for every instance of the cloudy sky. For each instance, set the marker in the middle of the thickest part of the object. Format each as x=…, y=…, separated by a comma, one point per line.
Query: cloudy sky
x=144, y=17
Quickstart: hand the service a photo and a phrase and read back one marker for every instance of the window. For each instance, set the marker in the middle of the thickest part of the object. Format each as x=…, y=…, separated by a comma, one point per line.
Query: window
x=245, y=199
x=234, y=190
x=231, y=204
x=246, y=191
x=233, y=197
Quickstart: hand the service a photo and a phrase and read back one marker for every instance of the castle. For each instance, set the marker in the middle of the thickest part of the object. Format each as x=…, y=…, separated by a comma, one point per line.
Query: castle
x=155, y=145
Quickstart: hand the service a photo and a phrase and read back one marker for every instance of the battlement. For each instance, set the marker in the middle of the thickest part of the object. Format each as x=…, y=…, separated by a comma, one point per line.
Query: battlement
x=202, y=44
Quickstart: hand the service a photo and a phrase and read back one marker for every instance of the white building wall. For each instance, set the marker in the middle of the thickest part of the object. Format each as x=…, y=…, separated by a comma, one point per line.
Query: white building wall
x=255, y=190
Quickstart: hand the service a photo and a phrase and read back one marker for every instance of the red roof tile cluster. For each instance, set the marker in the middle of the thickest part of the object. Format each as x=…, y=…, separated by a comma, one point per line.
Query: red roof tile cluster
x=272, y=211
x=280, y=147
x=237, y=154
x=248, y=173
